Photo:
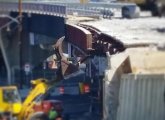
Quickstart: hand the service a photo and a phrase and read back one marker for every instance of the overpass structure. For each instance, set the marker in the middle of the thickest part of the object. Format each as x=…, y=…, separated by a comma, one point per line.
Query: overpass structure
x=34, y=7
x=25, y=44
x=63, y=8
x=42, y=24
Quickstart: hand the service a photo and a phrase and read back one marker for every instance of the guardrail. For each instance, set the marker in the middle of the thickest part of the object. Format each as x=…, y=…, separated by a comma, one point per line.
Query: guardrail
x=38, y=8
x=82, y=12
x=62, y=9
x=104, y=9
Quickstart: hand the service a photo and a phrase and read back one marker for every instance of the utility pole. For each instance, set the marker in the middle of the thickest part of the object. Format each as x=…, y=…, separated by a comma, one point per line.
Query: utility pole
x=20, y=10
x=19, y=38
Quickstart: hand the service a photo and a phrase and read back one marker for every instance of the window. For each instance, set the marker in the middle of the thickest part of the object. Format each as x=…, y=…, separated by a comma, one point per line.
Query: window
x=11, y=95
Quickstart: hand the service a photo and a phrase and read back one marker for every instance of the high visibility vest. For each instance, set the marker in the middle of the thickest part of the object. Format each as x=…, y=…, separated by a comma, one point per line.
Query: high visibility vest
x=52, y=114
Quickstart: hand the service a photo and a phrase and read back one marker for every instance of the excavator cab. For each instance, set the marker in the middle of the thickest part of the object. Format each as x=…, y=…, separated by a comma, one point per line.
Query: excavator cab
x=10, y=101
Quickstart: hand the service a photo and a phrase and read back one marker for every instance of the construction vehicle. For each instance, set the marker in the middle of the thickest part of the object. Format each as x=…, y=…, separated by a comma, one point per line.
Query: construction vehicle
x=157, y=7
x=80, y=94
x=34, y=107
x=10, y=101
x=37, y=104
x=81, y=85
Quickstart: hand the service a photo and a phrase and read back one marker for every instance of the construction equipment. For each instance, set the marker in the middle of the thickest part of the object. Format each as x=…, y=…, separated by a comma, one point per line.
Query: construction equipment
x=68, y=70
x=41, y=86
x=10, y=101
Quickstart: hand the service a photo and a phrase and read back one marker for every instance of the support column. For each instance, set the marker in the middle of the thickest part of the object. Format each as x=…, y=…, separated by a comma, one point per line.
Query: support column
x=9, y=81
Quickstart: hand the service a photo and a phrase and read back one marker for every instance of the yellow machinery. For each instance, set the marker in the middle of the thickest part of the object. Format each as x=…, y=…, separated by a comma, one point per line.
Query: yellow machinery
x=39, y=87
x=10, y=101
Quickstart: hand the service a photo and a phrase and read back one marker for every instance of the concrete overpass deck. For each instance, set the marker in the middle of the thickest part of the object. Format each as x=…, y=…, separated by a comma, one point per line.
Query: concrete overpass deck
x=133, y=31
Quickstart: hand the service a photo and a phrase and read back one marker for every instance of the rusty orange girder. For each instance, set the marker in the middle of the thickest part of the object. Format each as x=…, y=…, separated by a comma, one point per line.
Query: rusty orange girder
x=92, y=40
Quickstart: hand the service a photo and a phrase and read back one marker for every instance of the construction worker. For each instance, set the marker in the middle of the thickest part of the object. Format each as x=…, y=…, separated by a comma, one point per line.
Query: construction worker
x=52, y=114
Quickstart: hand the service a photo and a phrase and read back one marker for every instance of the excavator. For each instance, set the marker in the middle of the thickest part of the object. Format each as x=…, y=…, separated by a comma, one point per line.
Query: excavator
x=88, y=79
x=34, y=107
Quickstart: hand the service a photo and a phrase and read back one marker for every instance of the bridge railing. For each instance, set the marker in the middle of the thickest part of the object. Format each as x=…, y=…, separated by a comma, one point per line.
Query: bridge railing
x=62, y=9
x=38, y=8
x=103, y=9
x=82, y=12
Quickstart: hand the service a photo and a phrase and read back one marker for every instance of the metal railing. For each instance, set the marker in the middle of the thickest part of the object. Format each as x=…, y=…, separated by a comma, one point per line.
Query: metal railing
x=103, y=9
x=33, y=7
x=82, y=12
x=62, y=9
